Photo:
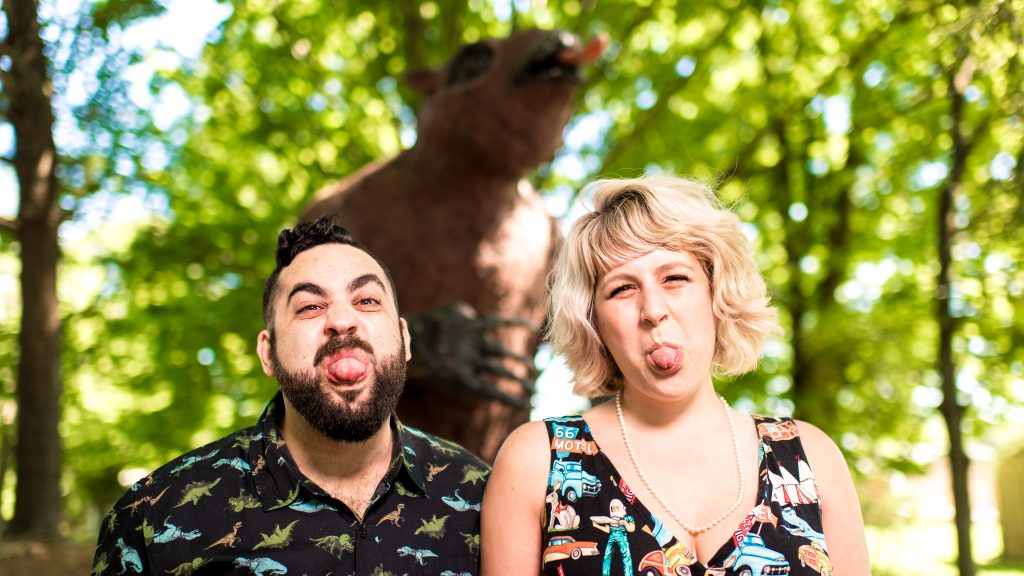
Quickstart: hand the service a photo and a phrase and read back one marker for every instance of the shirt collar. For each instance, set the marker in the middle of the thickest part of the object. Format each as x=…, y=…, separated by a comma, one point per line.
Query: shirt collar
x=278, y=479
x=276, y=476
x=413, y=455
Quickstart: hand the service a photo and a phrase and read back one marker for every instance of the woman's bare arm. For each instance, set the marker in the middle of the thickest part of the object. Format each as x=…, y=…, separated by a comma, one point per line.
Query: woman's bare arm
x=842, y=521
x=513, y=507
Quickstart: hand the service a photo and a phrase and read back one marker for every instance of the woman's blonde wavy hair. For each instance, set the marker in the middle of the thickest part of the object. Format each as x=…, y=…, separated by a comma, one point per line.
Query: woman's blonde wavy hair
x=632, y=217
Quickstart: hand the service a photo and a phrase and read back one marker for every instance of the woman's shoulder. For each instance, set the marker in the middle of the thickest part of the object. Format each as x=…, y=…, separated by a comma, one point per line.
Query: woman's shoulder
x=528, y=442
x=819, y=446
x=782, y=428
x=802, y=440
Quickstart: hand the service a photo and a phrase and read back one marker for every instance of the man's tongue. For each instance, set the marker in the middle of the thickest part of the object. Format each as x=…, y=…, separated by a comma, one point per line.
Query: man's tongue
x=663, y=358
x=347, y=370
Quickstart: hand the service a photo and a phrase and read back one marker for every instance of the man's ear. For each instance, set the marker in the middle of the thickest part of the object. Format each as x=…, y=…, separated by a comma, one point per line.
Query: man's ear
x=405, y=338
x=263, y=351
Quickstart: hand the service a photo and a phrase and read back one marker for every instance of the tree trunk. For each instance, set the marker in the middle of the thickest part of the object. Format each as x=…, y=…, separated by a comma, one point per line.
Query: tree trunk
x=37, y=506
x=951, y=409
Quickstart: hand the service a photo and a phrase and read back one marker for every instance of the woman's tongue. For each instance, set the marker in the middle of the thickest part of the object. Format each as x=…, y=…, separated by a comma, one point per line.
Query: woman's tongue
x=663, y=358
x=346, y=370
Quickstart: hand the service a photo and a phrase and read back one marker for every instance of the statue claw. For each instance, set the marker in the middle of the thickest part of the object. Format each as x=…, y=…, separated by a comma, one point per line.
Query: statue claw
x=498, y=369
x=452, y=346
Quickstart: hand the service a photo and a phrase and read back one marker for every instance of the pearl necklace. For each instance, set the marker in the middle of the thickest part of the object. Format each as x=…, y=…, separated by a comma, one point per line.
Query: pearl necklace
x=693, y=530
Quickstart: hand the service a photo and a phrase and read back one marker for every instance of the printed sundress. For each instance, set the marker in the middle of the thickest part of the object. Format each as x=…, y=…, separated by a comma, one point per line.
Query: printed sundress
x=594, y=524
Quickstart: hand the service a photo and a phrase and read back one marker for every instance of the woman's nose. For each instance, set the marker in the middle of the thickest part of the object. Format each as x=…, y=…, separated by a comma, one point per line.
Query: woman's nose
x=653, y=309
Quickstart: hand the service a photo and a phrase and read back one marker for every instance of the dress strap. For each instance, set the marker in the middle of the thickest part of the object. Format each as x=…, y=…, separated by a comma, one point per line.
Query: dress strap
x=569, y=435
x=775, y=429
x=788, y=468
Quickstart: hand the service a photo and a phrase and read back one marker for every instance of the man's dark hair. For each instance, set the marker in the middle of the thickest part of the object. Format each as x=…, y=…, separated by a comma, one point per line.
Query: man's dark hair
x=305, y=235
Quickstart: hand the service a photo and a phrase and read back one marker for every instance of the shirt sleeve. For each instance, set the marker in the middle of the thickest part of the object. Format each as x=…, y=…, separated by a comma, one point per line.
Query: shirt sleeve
x=121, y=548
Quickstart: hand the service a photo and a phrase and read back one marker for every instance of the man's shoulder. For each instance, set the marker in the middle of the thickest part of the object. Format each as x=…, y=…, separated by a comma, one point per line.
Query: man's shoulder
x=438, y=450
x=204, y=462
x=442, y=466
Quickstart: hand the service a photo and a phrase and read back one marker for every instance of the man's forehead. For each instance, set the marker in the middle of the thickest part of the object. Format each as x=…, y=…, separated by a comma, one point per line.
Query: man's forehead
x=331, y=265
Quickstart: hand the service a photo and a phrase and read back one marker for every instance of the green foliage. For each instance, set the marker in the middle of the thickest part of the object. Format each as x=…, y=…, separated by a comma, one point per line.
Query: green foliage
x=827, y=126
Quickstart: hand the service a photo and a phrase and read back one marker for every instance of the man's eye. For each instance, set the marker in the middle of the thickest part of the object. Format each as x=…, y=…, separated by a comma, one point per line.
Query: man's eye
x=309, y=308
x=368, y=301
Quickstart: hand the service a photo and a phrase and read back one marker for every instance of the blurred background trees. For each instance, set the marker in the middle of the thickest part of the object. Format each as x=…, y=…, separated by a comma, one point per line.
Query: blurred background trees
x=861, y=141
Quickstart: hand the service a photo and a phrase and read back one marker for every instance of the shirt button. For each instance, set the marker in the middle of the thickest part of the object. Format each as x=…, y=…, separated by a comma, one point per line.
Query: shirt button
x=362, y=531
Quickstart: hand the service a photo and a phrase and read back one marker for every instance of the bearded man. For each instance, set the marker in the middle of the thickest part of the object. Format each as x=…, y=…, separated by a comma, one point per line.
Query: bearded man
x=328, y=480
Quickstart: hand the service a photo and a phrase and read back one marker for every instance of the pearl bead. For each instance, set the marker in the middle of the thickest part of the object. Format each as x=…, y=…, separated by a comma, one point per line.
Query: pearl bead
x=693, y=530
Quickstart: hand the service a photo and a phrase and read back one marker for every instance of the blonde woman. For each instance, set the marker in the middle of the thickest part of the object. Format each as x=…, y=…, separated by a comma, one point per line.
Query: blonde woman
x=655, y=292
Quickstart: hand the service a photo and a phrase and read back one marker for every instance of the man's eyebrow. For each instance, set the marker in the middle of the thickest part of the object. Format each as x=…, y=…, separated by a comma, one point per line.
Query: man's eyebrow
x=314, y=289
x=365, y=279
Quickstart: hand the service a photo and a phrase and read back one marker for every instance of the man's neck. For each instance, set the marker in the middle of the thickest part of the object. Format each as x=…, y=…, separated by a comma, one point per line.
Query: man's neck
x=348, y=471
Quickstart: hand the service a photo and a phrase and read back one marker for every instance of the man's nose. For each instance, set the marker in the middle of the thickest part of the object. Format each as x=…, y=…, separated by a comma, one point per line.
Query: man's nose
x=341, y=320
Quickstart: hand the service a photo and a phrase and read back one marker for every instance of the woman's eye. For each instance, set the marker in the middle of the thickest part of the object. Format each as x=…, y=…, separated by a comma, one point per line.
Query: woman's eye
x=619, y=290
x=677, y=278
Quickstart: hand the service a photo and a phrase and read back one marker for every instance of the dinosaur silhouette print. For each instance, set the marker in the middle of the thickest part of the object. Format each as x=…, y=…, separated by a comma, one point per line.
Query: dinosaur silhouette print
x=228, y=540
x=148, y=532
x=130, y=559
x=433, y=527
x=242, y=501
x=472, y=542
x=262, y=566
x=187, y=568
x=100, y=565
x=446, y=450
x=279, y=538
x=171, y=533
x=421, y=555
x=310, y=506
x=334, y=545
x=472, y=474
x=459, y=503
x=288, y=499
x=196, y=490
x=191, y=461
x=146, y=500
x=435, y=470
x=402, y=490
x=110, y=520
x=237, y=463
x=395, y=516
x=243, y=440
x=278, y=523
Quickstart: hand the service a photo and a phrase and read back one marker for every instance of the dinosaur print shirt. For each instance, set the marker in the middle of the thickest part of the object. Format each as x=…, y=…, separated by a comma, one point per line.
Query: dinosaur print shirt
x=241, y=506
x=594, y=523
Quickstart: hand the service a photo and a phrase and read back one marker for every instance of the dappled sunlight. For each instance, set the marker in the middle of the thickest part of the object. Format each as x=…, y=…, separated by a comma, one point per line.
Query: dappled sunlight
x=827, y=126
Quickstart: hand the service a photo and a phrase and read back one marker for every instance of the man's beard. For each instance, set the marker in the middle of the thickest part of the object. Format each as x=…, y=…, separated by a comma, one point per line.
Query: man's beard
x=340, y=422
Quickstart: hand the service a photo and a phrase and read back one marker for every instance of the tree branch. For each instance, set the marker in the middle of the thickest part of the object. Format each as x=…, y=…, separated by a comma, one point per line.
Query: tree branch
x=8, y=226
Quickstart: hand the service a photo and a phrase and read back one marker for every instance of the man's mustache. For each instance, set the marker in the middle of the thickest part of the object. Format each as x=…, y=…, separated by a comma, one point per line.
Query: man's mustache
x=337, y=344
